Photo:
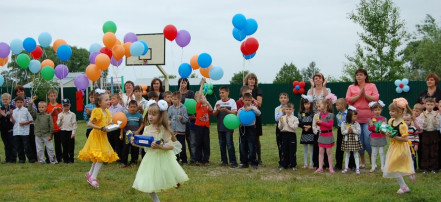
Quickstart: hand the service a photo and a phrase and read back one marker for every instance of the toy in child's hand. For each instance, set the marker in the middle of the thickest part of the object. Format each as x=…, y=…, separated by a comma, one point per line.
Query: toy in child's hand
x=383, y=128
x=142, y=140
x=113, y=127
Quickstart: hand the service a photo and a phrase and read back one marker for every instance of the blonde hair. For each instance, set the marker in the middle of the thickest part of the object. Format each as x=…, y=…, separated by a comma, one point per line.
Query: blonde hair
x=250, y=76
x=6, y=95
x=342, y=101
x=328, y=104
x=395, y=107
x=52, y=91
x=162, y=119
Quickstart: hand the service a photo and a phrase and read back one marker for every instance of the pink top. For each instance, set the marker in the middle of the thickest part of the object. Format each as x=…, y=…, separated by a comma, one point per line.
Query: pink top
x=324, y=126
x=364, y=112
x=372, y=128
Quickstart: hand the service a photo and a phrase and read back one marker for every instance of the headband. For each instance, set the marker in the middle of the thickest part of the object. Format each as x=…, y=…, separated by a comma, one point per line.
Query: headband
x=381, y=103
x=308, y=97
x=400, y=102
x=352, y=108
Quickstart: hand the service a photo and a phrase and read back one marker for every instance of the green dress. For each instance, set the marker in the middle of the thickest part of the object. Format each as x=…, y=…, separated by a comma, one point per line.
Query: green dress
x=159, y=169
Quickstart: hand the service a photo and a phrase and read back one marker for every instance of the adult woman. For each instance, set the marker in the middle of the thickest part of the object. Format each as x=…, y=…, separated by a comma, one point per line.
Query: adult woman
x=252, y=82
x=359, y=95
x=128, y=95
x=432, y=90
x=156, y=86
x=190, y=136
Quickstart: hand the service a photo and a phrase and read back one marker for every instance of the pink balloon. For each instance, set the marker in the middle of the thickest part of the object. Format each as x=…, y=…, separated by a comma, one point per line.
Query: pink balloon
x=183, y=38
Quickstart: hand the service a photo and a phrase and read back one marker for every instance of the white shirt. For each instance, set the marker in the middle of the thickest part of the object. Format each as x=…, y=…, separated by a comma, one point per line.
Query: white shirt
x=69, y=122
x=21, y=115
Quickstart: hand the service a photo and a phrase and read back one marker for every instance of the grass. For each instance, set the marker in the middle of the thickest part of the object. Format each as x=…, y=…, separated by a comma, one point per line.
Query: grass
x=35, y=182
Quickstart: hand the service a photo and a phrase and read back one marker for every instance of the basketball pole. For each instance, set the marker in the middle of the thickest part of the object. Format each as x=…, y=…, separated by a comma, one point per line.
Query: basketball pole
x=166, y=83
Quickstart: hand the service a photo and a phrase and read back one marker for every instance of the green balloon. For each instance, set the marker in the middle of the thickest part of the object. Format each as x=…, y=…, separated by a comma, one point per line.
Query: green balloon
x=210, y=92
x=23, y=61
x=47, y=73
x=210, y=86
x=190, y=104
x=109, y=26
x=231, y=121
x=205, y=85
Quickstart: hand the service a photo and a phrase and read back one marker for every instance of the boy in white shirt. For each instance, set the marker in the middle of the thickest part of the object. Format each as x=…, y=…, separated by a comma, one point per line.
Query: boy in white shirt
x=67, y=121
x=288, y=125
x=21, y=119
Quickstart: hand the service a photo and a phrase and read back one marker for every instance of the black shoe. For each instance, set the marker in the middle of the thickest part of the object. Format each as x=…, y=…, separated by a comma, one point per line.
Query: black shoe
x=22, y=161
x=32, y=161
x=233, y=165
x=260, y=162
x=243, y=166
x=184, y=163
x=224, y=164
x=337, y=168
x=255, y=167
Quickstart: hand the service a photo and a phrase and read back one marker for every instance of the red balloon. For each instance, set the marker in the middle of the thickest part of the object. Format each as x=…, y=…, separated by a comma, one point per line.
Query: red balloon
x=295, y=91
x=242, y=49
x=301, y=90
x=37, y=53
x=251, y=45
x=106, y=51
x=401, y=85
x=295, y=83
x=302, y=84
x=170, y=32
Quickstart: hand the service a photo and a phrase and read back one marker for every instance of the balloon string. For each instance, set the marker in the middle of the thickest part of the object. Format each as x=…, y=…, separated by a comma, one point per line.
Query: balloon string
x=182, y=54
x=243, y=71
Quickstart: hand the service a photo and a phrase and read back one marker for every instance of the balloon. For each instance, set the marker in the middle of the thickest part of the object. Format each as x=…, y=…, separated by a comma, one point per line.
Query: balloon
x=190, y=104
x=239, y=34
x=184, y=70
x=115, y=62
x=301, y=90
x=144, y=87
x=2, y=80
x=109, y=39
x=398, y=90
x=251, y=45
x=61, y=71
x=406, y=88
x=250, y=27
x=34, y=66
x=45, y=39
x=64, y=52
x=247, y=117
x=47, y=62
x=295, y=83
x=146, y=47
x=183, y=38
x=243, y=49
x=29, y=44
x=106, y=51
x=37, y=53
x=23, y=60
x=204, y=60
x=81, y=81
x=127, y=49
x=231, y=121
x=216, y=73
x=92, y=57
x=4, y=50
x=170, y=32
x=95, y=48
x=239, y=21
x=93, y=72
x=130, y=37
x=194, y=62
x=295, y=91
x=47, y=73
x=3, y=61
x=397, y=82
x=250, y=56
x=119, y=116
x=210, y=92
x=144, y=92
x=102, y=61
x=297, y=87
x=302, y=84
x=118, y=52
x=58, y=43
x=137, y=48
x=405, y=81
x=16, y=46
x=109, y=26
x=205, y=72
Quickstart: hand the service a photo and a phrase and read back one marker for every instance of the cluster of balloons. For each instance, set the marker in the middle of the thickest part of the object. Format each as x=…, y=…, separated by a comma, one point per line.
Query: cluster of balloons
x=299, y=87
x=203, y=63
x=182, y=37
x=207, y=89
x=144, y=89
x=232, y=122
x=402, y=85
x=244, y=27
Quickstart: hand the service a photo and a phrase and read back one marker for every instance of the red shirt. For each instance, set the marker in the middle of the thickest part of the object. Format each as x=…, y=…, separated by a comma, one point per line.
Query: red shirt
x=202, y=115
x=54, y=115
x=240, y=104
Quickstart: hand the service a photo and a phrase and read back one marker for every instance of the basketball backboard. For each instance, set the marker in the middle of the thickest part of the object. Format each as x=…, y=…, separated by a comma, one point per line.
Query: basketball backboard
x=156, y=53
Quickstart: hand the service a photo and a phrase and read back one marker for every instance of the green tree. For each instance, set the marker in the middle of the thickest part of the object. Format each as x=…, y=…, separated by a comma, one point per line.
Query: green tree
x=238, y=77
x=193, y=75
x=288, y=74
x=383, y=34
x=309, y=71
x=170, y=76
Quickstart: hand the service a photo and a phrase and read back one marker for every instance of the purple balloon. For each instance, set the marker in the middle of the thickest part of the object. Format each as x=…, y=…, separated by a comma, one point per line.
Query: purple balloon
x=115, y=62
x=183, y=38
x=81, y=82
x=130, y=37
x=92, y=57
x=61, y=71
x=4, y=50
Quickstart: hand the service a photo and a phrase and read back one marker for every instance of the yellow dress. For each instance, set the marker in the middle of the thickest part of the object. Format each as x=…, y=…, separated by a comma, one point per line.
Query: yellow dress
x=97, y=147
x=398, y=158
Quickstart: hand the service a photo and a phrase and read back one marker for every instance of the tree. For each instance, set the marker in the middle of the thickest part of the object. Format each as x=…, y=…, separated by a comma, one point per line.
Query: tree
x=238, y=77
x=170, y=76
x=382, y=36
x=288, y=74
x=193, y=75
x=309, y=71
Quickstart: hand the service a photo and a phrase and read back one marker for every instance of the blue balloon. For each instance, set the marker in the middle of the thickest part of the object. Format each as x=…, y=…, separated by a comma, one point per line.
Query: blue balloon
x=406, y=88
x=250, y=56
x=204, y=60
x=2, y=80
x=247, y=117
x=297, y=87
x=16, y=46
x=216, y=73
x=137, y=48
x=146, y=47
x=239, y=34
x=239, y=21
x=405, y=81
x=185, y=70
x=34, y=66
x=64, y=52
x=45, y=39
x=398, y=90
x=29, y=44
x=397, y=82
x=95, y=48
x=250, y=27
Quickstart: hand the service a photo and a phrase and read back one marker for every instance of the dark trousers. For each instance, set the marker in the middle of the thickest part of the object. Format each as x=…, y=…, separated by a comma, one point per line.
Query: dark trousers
x=289, y=149
x=32, y=141
x=279, y=144
x=183, y=155
x=134, y=153
x=315, y=156
x=57, y=144
x=202, y=144
x=113, y=138
x=10, y=151
x=22, y=143
x=429, y=150
x=88, y=132
x=247, y=145
x=339, y=153
x=226, y=143
x=68, y=145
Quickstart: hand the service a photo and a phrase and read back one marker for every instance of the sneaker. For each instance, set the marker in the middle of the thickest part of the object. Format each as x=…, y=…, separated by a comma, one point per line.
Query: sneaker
x=198, y=163
x=224, y=164
x=345, y=171
x=424, y=171
x=281, y=168
x=122, y=165
x=233, y=165
x=93, y=182
x=260, y=162
x=255, y=167
x=294, y=169
x=403, y=190
x=185, y=164
x=372, y=170
x=207, y=164
x=362, y=166
x=357, y=171
x=434, y=172
x=243, y=166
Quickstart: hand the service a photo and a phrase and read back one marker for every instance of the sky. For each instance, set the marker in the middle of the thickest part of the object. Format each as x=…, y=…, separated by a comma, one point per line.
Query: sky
x=289, y=31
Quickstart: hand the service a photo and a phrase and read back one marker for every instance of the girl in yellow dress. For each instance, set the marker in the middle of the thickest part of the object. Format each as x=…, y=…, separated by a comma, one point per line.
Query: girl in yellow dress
x=97, y=148
x=398, y=158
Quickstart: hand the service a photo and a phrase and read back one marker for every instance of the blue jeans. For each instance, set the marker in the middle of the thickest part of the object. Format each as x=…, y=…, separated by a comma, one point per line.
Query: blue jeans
x=247, y=145
x=226, y=142
x=365, y=137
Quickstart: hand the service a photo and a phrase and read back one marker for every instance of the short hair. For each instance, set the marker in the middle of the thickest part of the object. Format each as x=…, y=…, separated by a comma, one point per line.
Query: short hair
x=152, y=94
x=6, y=95
x=168, y=93
x=42, y=102
x=177, y=95
x=418, y=106
x=247, y=95
x=434, y=77
x=115, y=95
x=244, y=88
x=363, y=71
x=161, y=88
x=342, y=101
x=90, y=93
x=137, y=88
x=52, y=91
x=250, y=76
x=429, y=100
x=18, y=88
x=19, y=98
x=129, y=82
x=290, y=105
x=318, y=75
x=183, y=79
x=224, y=88
x=133, y=102
x=407, y=115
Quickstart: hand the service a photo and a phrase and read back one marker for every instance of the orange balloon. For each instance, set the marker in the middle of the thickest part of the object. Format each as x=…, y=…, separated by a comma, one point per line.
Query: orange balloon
x=205, y=71
x=143, y=86
x=127, y=49
x=144, y=92
x=3, y=61
x=119, y=116
x=47, y=62
x=102, y=61
x=93, y=72
x=117, y=42
x=109, y=39
x=194, y=62
x=58, y=43
x=118, y=52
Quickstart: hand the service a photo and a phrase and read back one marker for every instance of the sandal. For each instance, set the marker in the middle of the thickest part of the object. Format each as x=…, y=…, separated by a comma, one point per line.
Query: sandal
x=331, y=171
x=305, y=166
x=362, y=166
x=319, y=170
x=93, y=182
x=412, y=179
x=311, y=167
x=87, y=175
x=345, y=171
x=403, y=190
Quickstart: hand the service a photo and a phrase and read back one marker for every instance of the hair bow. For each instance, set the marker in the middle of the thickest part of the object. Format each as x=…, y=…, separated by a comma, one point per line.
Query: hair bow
x=308, y=97
x=381, y=103
x=400, y=102
x=150, y=102
x=331, y=97
x=352, y=108
x=163, y=105
x=100, y=91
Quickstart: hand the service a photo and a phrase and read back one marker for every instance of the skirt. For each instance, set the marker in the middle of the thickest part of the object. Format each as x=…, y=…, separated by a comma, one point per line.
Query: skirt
x=398, y=161
x=351, y=144
x=307, y=138
x=378, y=142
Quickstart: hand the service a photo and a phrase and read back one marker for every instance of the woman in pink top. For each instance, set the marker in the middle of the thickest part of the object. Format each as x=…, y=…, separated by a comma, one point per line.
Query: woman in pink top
x=359, y=95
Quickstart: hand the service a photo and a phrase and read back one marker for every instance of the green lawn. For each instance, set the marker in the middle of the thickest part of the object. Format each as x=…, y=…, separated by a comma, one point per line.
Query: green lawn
x=35, y=182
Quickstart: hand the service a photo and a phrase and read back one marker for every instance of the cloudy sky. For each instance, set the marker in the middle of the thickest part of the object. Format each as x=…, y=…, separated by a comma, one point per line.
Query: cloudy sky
x=289, y=30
